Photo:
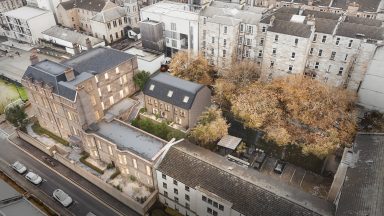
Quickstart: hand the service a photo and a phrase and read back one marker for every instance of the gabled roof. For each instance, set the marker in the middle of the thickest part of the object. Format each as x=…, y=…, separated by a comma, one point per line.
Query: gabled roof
x=110, y=14
x=161, y=85
x=354, y=30
x=364, y=21
x=363, y=189
x=291, y=28
x=320, y=14
x=197, y=167
x=364, y=5
x=326, y=26
x=90, y=5
x=97, y=60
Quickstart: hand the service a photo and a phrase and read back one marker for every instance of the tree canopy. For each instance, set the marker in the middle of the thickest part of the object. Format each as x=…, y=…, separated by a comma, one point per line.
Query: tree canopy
x=16, y=116
x=300, y=111
x=210, y=128
x=194, y=68
x=141, y=78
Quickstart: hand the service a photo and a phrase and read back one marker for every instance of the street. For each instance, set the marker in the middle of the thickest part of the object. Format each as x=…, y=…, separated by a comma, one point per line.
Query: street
x=83, y=202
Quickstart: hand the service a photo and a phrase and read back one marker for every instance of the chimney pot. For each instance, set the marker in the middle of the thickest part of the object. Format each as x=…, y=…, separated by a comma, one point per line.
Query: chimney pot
x=88, y=43
x=76, y=48
x=33, y=57
x=69, y=74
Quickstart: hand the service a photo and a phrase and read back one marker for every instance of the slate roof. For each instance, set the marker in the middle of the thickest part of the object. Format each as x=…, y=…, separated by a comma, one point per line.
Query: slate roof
x=326, y=26
x=91, y=5
x=97, y=60
x=354, y=30
x=51, y=73
x=291, y=28
x=362, y=191
x=364, y=21
x=164, y=82
x=184, y=163
x=320, y=14
x=364, y=5
x=110, y=14
x=284, y=13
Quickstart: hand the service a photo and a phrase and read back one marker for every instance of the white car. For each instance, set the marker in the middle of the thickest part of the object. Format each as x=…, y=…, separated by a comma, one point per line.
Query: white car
x=19, y=167
x=34, y=178
x=62, y=197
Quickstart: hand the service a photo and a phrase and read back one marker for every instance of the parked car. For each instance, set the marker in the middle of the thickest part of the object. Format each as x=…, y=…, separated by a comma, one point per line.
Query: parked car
x=279, y=167
x=34, y=178
x=62, y=197
x=19, y=167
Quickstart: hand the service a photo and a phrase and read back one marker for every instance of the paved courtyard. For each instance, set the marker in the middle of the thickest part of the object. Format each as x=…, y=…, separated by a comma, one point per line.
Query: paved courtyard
x=299, y=177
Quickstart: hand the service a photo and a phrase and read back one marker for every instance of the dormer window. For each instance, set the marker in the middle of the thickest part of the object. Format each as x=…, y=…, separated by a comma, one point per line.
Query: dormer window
x=151, y=87
x=170, y=93
x=186, y=99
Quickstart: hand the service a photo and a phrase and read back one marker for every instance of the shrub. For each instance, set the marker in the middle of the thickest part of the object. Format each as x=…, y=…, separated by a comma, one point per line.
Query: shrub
x=110, y=166
x=84, y=161
x=132, y=178
x=116, y=173
x=141, y=78
x=161, y=130
x=40, y=130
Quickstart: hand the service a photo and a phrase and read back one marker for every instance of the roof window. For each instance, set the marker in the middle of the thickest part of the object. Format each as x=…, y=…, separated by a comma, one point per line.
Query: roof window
x=151, y=87
x=186, y=99
x=170, y=93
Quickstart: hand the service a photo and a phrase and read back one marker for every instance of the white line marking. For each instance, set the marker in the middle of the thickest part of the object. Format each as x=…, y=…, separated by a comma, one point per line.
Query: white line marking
x=292, y=175
x=303, y=178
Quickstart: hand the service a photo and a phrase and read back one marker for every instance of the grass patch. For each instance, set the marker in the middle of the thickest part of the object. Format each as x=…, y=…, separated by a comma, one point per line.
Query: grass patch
x=116, y=173
x=40, y=130
x=17, y=88
x=84, y=161
x=161, y=130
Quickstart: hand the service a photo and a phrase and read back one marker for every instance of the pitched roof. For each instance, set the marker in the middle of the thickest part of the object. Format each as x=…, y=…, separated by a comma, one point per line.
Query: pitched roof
x=194, y=166
x=91, y=5
x=354, y=30
x=161, y=85
x=364, y=5
x=362, y=191
x=51, y=73
x=291, y=28
x=97, y=60
x=109, y=15
x=326, y=26
x=320, y=14
x=364, y=21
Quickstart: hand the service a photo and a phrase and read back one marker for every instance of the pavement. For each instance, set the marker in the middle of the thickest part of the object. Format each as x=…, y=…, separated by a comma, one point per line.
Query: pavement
x=87, y=197
x=136, y=109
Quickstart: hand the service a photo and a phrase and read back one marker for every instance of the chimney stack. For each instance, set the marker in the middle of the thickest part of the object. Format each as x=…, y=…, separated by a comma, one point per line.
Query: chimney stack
x=272, y=20
x=69, y=74
x=33, y=57
x=88, y=43
x=76, y=48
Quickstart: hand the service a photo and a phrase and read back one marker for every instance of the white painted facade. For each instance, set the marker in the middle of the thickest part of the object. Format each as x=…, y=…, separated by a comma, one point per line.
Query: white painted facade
x=180, y=25
x=371, y=92
x=147, y=61
x=26, y=24
x=191, y=201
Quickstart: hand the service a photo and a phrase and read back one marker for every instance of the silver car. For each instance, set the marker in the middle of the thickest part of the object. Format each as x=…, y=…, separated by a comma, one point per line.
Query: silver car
x=34, y=178
x=62, y=197
x=19, y=167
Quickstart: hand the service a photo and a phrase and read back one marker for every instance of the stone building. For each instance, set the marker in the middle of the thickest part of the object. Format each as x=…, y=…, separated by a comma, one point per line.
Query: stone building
x=78, y=14
x=81, y=99
x=175, y=99
x=7, y=5
x=336, y=48
x=132, y=10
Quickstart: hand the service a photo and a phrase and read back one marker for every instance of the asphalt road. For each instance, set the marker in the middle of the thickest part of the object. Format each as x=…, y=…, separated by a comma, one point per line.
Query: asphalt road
x=83, y=203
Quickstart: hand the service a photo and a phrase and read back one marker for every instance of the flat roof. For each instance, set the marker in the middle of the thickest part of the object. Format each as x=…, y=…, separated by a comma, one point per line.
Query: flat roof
x=26, y=12
x=230, y=142
x=127, y=137
x=143, y=54
x=71, y=36
x=173, y=9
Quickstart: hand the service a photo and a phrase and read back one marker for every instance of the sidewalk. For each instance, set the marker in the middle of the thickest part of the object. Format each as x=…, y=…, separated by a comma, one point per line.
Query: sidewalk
x=77, y=179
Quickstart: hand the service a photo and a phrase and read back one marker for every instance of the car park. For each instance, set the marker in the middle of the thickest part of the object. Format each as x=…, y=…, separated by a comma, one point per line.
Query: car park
x=19, y=167
x=34, y=178
x=279, y=166
x=62, y=197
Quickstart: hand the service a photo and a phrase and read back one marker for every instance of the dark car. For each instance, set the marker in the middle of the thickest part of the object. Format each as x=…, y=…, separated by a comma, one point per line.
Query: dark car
x=279, y=167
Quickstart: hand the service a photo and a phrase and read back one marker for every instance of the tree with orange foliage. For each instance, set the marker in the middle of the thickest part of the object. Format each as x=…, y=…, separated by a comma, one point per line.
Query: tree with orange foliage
x=194, y=68
x=300, y=111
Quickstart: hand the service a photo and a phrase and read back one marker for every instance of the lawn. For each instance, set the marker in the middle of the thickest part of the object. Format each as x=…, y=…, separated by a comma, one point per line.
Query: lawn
x=11, y=92
x=161, y=130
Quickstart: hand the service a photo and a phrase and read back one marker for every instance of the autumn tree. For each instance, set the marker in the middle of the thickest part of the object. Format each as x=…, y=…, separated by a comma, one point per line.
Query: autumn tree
x=300, y=111
x=191, y=67
x=210, y=128
x=16, y=116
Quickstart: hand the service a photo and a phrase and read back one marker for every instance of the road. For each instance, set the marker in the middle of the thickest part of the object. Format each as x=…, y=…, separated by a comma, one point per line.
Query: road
x=83, y=202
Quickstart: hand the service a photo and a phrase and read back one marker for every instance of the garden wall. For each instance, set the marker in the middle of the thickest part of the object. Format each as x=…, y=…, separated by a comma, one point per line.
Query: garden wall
x=46, y=149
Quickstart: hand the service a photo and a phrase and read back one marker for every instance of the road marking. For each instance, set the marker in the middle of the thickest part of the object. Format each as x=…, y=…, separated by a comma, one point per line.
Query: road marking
x=292, y=175
x=303, y=178
x=68, y=179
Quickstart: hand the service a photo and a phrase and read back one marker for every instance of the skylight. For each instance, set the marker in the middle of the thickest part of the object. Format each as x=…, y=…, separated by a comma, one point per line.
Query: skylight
x=151, y=87
x=186, y=99
x=170, y=93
